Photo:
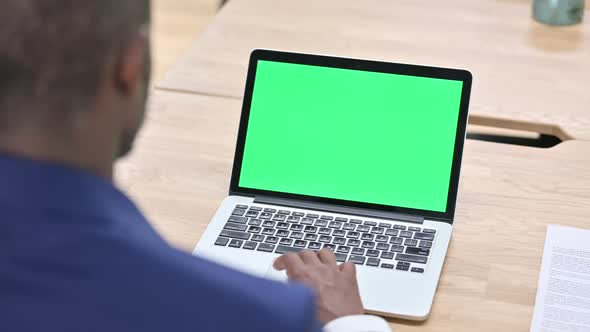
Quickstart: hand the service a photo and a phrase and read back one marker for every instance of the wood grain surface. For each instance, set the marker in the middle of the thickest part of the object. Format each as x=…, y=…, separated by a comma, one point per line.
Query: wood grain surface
x=526, y=75
x=175, y=24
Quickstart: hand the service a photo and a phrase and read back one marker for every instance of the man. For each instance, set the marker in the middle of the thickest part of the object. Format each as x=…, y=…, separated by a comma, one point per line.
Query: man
x=75, y=253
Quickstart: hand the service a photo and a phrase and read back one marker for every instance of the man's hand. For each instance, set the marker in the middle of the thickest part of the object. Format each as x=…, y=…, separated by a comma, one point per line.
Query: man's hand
x=335, y=286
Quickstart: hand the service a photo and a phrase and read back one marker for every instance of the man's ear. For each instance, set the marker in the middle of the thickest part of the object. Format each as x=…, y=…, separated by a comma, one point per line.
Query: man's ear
x=131, y=65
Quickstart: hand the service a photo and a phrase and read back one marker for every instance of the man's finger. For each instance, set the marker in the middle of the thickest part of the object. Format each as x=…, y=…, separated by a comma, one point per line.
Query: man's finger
x=348, y=268
x=309, y=257
x=279, y=264
x=327, y=256
x=288, y=262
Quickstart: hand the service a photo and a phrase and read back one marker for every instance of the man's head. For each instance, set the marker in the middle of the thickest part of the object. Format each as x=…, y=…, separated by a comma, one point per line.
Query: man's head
x=73, y=74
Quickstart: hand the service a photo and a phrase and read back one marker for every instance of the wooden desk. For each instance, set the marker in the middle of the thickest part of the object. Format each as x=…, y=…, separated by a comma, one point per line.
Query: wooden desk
x=527, y=76
x=180, y=173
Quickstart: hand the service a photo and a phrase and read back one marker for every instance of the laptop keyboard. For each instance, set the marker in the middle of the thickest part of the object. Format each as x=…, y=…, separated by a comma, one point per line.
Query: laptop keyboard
x=379, y=244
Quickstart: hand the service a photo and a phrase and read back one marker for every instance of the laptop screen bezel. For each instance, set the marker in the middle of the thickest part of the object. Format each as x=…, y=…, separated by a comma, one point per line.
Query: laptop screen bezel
x=364, y=65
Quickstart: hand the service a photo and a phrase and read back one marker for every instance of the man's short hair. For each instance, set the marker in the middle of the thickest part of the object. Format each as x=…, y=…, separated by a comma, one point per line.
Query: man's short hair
x=54, y=52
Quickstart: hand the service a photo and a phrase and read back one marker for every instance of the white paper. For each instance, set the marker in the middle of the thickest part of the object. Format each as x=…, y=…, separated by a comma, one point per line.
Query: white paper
x=563, y=293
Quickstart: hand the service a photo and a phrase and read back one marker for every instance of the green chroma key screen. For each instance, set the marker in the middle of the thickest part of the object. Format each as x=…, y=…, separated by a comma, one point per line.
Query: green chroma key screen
x=352, y=135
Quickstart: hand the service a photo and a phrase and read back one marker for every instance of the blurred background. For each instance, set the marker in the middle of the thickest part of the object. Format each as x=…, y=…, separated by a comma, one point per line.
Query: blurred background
x=175, y=24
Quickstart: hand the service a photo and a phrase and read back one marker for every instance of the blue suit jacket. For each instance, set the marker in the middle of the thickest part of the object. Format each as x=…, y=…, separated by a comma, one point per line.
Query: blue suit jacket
x=77, y=255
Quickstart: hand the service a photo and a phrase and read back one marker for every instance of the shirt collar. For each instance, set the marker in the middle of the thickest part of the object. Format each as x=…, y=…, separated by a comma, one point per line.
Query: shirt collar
x=32, y=184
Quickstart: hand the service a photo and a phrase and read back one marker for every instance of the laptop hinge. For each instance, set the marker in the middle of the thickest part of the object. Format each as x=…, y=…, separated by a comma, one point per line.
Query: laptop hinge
x=339, y=209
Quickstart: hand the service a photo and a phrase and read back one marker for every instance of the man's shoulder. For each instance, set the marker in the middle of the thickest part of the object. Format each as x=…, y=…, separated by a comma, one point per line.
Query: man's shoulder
x=195, y=290
x=123, y=275
x=130, y=277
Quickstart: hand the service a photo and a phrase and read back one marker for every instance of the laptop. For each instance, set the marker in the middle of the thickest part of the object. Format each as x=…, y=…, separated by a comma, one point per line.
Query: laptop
x=361, y=157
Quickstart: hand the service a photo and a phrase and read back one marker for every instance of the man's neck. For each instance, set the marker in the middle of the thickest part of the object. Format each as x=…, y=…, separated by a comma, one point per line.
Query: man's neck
x=37, y=145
